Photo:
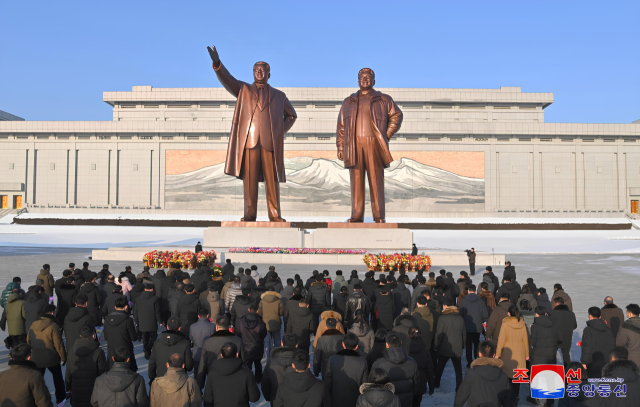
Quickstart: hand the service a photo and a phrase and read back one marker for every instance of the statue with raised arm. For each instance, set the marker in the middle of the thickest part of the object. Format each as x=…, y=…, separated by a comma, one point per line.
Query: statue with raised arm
x=367, y=120
x=256, y=142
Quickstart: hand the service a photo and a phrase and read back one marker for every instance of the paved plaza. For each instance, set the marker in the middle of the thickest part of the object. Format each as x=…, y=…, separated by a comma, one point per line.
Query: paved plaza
x=587, y=278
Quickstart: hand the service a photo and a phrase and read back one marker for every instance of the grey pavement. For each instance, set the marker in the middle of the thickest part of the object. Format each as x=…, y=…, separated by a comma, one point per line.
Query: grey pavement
x=587, y=278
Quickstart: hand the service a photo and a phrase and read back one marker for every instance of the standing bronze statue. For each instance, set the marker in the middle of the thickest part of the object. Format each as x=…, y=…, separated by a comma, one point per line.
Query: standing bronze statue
x=256, y=142
x=367, y=120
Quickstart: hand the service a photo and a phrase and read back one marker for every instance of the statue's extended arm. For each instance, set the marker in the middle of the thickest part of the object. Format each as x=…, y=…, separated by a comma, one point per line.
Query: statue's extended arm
x=231, y=84
x=340, y=136
x=395, y=119
x=290, y=115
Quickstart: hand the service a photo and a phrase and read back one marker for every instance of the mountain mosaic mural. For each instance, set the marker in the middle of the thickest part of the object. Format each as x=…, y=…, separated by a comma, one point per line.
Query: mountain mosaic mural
x=316, y=183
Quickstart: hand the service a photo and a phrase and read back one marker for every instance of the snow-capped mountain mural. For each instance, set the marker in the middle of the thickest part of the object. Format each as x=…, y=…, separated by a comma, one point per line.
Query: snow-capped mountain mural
x=322, y=183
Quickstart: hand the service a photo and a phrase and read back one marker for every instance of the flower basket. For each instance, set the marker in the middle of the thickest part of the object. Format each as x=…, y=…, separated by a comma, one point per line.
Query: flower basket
x=162, y=259
x=397, y=261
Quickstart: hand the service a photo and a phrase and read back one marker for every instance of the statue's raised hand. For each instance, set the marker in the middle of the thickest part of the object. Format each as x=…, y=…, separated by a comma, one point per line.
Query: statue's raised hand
x=213, y=53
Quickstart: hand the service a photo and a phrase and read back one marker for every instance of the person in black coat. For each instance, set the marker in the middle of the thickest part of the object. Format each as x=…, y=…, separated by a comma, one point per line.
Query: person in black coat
x=566, y=322
x=340, y=302
x=450, y=337
x=485, y=384
x=109, y=305
x=188, y=307
x=326, y=347
x=474, y=311
x=147, y=317
x=402, y=370
x=509, y=287
x=198, y=248
x=227, y=271
x=170, y=341
x=167, y=285
x=241, y=305
x=494, y=279
x=300, y=321
x=230, y=383
x=110, y=286
x=509, y=271
x=384, y=309
x=277, y=366
x=65, y=279
x=85, y=362
x=128, y=274
x=319, y=298
x=120, y=331
x=198, y=279
x=91, y=290
x=157, y=279
x=212, y=347
x=414, y=250
x=544, y=338
x=347, y=370
x=299, y=388
x=597, y=343
x=252, y=330
x=76, y=318
x=419, y=352
x=34, y=306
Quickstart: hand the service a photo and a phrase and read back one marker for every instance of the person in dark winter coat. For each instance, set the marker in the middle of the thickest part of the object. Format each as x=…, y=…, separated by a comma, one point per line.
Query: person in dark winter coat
x=629, y=333
x=170, y=341
x=494, y=324
x=252, y=330
x=66, y=293
x=597, y=343
x=91, y=290
x=365, y=334
x=326, y=347
x=109, y=305
x=357, y=301
x=346, y=371
x=86, y=361
x=510, y=288
x=566, y=322
x=612, y=315
x=110, y=287
x=402, y=370
x=147, y=317
x=77, y=317
x=417, y=291
x=119, y=330
x=230, y=383
x=300, y=321
x=22, y=385
x=420, y=353
x=157, y=279
x=299, y=388
x=402, y=298
x=340, y=302
x=543, y=299
x=34, y=306
x=384, y=309
x=319, y=298
x=240, y=305
x=212, y=347
x=450, y=338
x=509, y=271
x=402, y=325
x=120, y=387
x=188, y=306
x=378, y=348
x=200, y=332
x=629, y=372
x=558, y=291
x=277, y=366
x=485, y=384
x=544, y=338
x=378, y=392
x=176, y=293
x=474, y=312
x=227, y=271
x=198, y=279
x=48, y=349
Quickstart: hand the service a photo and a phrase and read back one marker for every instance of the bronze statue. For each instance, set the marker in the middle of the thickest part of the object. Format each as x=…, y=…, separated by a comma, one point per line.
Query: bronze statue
x=367, y=120
x=256, y=142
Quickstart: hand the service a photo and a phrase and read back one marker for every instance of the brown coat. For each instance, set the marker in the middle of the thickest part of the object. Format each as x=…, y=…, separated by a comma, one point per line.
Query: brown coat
x=491, y=300
x=271, y=310
x=175, y=389
x=46, y=342
x=322, y=326
x=282, y=118
x=494, y=324
x=14, y=315
x=46, y=276
x=564, y=296
x=22, y=385
x=513, y=345
x=386, y=117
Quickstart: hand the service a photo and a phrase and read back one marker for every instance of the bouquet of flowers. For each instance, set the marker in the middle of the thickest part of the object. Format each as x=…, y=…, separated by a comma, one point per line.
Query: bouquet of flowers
x=287, y=250
x=397, y=261
x=163, y=259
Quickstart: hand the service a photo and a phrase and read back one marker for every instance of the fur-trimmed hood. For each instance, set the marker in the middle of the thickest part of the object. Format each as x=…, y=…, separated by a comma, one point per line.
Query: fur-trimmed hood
x=487, y=362
x=319, y=283
x=331, y=314
x=625, y=369
x=270, y=296
x=450, y=310
x=365, y=387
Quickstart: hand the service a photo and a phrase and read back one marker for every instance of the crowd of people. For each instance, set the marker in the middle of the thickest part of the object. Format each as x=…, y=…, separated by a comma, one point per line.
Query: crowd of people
x=384, y=341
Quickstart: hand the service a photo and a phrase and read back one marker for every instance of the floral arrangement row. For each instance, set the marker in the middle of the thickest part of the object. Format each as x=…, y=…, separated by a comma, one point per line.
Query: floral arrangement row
x=163, y=259
x=397, y=261
x=290, y=250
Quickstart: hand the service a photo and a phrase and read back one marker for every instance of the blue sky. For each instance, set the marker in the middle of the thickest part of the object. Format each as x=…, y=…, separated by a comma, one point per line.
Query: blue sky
x=56, y=58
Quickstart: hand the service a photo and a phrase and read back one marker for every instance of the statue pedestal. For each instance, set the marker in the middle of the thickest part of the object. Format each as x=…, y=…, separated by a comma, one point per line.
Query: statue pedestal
x=254, y=234
x=371, y=236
